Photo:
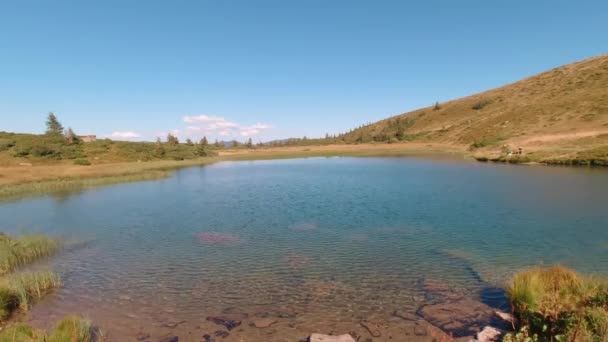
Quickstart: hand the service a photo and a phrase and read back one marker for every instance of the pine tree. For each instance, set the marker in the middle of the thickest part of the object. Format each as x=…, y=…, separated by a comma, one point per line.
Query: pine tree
x=217, y=144
x=53, y=126
x=201, y=148
x=189, y=142
x=249, y=143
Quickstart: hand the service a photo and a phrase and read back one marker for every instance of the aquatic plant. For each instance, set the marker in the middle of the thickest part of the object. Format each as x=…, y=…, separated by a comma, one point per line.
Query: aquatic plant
x=556, y=303
x=21, y=289
x=19, y=251
x=8, y=302
x=19, y=332
x=70, y=329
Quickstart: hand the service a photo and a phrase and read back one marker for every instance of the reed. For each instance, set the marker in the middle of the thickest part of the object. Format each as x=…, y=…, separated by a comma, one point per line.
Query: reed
x=23, y=250
x=70, y=329
x=20, y=332
x=20, y=289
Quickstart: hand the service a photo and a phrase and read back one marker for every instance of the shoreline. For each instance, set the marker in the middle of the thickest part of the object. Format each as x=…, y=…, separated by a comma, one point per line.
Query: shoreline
x=24, y=180
x=17, y=181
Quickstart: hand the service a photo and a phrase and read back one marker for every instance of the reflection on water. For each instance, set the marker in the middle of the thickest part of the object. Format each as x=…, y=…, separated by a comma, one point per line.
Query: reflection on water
x=315, y=244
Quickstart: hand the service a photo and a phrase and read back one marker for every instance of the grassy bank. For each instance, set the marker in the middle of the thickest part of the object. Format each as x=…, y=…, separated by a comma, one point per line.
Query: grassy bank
x=19, y=251
x=51, y=177
x=15, y=181
x=19, y=289
x=557, y=304
x=46, y=178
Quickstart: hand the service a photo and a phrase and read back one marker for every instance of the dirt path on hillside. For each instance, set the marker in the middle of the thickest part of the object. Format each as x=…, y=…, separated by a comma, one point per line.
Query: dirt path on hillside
x=562, y=136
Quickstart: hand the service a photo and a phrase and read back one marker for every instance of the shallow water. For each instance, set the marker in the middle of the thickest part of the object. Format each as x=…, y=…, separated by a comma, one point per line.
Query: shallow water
x=317, y=243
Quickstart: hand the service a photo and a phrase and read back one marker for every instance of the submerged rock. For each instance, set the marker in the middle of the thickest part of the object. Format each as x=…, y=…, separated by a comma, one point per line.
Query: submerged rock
x=489, y=334
x=217, y=238
x=330, y=338
x=507, y=317
x=221, y=333
x=463, y=317
x=225, y=321
x=171, y=325
x=438, y=291
x=169, y=339
x=264, y=322
x=142, y=336
x=296, y=261
x=372, y=328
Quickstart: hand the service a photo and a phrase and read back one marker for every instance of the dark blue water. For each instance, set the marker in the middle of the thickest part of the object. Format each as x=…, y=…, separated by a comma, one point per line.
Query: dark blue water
x=313, y=233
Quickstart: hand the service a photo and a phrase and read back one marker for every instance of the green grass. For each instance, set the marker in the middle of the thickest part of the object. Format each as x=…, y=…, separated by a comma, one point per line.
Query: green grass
x=17, y=291
x=9, y=301
x=487, y=141
x=47, y=186
x=70, y=329
x=19, y=251
x=20, y=332
x=51, y=147
x=29, y=286
x=556, y=303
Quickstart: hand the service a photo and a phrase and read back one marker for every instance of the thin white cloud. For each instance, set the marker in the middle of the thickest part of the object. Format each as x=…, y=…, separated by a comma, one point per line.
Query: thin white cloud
x=249, y=131
x=125, y=135
x=208, y=124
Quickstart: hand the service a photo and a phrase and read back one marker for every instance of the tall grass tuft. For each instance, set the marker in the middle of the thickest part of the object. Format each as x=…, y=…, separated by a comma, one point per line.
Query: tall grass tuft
x=8, y=302
x=556, y=303
x=20, y=251
x=30, y=285
x=19, y=332
x=72, y=329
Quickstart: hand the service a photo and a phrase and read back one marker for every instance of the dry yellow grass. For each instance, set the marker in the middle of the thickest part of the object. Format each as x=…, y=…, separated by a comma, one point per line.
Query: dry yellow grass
x=556, y=113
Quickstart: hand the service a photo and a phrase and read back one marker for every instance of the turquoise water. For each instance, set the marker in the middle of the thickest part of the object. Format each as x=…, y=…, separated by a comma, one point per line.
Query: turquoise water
x=310, y=235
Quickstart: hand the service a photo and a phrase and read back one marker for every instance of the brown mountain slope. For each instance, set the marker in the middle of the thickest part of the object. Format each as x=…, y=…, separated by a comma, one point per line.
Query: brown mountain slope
x=558, y=115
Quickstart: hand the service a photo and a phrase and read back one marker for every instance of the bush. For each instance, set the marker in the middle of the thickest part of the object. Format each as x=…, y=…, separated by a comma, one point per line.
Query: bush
x=5, y=144
x=45, y=151
x=479, y=105
x=21, y=149
x=81, y=162
x=485, y=141
x=556, y=303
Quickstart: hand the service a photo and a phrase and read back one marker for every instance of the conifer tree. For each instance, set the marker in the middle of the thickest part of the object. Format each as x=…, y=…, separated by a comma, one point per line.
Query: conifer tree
x=53, y=126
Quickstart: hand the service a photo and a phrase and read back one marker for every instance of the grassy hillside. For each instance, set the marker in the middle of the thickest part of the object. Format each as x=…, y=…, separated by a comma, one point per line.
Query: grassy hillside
x=558, y=116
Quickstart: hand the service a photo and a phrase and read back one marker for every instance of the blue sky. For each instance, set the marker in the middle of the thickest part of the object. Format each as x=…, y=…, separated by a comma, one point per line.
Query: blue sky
x=270, y=69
